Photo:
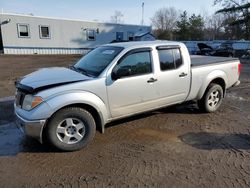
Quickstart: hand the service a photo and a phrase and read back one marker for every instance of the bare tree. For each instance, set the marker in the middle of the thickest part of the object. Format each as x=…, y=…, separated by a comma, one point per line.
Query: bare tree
x=214, y=27
x=117, y=17
x=164, y=22
x=239, y=12
x=165, y=18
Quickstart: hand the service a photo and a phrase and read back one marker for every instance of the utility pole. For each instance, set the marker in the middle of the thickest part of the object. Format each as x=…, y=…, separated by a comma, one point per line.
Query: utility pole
x=142, y=20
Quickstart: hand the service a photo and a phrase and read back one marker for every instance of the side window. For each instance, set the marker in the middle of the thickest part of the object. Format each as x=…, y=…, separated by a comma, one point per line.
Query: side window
x=137, y=63
x=23, y=30
x=170, y=59
x=166, y=59
x=91, y=34
x=44, y=32
x=177, y=58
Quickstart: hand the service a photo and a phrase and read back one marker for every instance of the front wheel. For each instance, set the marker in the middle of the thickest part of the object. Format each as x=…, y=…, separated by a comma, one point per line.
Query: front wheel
x=212, y=98
x=70, y=129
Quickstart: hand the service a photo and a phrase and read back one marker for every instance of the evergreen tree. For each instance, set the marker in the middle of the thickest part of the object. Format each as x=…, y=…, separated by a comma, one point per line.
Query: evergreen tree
x=196, y=27
x=241, y=10
x=182, y=27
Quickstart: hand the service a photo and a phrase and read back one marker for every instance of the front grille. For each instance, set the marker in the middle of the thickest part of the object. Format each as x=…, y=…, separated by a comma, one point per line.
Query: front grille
x=19, y=98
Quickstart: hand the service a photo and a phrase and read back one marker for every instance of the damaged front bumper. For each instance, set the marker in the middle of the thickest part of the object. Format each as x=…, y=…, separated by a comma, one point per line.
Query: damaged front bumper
x=33, y=129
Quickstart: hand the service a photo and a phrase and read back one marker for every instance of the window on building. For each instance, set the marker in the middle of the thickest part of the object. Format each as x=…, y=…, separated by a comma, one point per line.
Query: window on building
x=23, y=30
x=137, y=63
x=131, y=36
x=119, y=36
x=44, y=32
x=170, y=59
x=91, y=35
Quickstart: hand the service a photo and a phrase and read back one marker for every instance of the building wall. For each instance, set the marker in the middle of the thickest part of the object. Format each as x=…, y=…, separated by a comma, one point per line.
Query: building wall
x=67, y=36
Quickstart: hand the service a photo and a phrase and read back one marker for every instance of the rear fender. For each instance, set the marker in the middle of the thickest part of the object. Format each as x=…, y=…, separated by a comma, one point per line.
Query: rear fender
x=210, y=77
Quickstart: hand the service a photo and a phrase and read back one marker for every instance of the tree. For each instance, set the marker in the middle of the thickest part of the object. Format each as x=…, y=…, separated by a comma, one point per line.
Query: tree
x=117, y=17
x=164, y=21
x=196, y=27
x=214, y=27
x=182, y=30
x=239, y=11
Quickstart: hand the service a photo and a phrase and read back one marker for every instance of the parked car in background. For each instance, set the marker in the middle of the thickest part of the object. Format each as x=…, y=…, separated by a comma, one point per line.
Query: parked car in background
x=224, y=50
x=204, y=49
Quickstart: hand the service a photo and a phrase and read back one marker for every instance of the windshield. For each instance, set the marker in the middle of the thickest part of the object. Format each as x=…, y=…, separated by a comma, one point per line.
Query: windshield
x=97, y=60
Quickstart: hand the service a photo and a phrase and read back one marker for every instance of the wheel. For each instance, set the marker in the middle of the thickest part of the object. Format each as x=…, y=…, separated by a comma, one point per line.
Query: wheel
x=212, y=98
x=70, y=129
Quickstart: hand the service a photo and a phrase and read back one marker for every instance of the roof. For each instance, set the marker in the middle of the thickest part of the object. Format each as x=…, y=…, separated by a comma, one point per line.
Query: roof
x=142, y=34
x=67, y=19
x=140, y=44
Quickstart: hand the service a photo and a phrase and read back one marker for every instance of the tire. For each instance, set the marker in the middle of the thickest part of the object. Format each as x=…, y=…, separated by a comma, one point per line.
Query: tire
x=212, y=98
x=70, y=129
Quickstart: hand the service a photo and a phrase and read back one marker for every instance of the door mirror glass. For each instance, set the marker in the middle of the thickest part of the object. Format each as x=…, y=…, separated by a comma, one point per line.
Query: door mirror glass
x=121, y=72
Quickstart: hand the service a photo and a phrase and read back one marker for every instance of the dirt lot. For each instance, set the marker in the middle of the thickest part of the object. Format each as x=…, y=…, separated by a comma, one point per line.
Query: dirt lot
x=172, y=147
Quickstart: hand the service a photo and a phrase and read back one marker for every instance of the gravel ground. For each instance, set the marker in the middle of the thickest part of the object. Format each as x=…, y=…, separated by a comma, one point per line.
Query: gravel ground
x=171, y=147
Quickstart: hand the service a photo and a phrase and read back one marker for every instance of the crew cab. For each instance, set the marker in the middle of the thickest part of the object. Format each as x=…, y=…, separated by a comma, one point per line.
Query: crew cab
x=65, y=106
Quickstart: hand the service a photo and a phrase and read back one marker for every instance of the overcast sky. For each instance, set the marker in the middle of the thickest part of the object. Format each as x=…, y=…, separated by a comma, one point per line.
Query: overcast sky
x=103, y=10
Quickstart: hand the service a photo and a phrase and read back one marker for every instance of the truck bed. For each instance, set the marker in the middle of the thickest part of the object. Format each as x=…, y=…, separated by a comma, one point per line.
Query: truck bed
x=197, y=60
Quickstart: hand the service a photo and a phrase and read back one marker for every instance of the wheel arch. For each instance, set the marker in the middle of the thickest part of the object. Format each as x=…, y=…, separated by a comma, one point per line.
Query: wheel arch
x=100, y=125
x=216, y=77
x=88, y=101
x=221, y=82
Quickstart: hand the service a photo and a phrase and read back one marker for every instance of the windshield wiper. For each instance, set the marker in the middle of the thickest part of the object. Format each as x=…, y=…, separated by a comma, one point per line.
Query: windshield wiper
x=80, y=70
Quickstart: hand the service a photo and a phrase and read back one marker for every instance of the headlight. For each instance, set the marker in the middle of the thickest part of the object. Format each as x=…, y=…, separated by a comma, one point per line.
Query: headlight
x=31, y=102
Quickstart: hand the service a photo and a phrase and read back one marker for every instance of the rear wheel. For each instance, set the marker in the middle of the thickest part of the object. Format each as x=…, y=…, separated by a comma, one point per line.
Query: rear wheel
x=70, y=129
x=212, y=98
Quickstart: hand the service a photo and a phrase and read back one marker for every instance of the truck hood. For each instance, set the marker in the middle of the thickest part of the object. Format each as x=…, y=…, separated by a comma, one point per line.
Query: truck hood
x=49, y=77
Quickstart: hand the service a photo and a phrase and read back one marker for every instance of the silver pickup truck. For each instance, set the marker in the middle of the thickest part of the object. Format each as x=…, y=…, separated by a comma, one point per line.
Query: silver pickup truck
x=65, y=106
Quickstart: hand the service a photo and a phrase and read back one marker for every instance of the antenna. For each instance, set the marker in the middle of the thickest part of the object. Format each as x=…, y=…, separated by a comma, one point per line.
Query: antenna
x=142, y=20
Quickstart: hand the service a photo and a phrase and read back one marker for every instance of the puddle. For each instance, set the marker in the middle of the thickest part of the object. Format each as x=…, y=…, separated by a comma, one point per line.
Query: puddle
x=235, y=97
x=210, y=141
x=157, y=135
x=10, y=139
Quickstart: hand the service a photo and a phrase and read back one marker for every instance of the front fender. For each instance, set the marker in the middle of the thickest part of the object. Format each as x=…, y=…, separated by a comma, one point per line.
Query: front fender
x=210, y=77
x=79, y=97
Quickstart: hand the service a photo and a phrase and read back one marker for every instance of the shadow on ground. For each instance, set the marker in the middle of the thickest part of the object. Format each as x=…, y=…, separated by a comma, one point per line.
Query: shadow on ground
x=212, y=141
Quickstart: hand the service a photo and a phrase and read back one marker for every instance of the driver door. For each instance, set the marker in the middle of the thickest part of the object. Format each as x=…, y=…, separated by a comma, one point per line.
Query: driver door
x=133, y=90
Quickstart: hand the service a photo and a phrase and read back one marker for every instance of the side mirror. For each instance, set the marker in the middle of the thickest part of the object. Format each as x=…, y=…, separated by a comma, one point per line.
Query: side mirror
x=120, y=72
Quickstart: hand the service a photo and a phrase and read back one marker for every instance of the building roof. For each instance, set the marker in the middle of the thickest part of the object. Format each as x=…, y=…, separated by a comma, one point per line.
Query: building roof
x=66, y=19
x=142, y=34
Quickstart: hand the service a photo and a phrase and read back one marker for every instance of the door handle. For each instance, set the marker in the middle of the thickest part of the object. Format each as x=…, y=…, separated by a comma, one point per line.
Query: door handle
x=152, y=80
x=183, y=74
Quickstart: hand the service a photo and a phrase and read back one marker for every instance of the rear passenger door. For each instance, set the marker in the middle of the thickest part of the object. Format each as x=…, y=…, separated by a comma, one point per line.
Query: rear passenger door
x=174, y=75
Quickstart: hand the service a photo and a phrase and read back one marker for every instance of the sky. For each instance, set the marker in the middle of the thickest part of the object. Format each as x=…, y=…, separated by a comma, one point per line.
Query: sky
x=94, y=10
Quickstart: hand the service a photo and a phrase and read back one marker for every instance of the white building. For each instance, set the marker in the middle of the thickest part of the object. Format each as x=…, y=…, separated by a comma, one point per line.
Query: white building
x=25, y=34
